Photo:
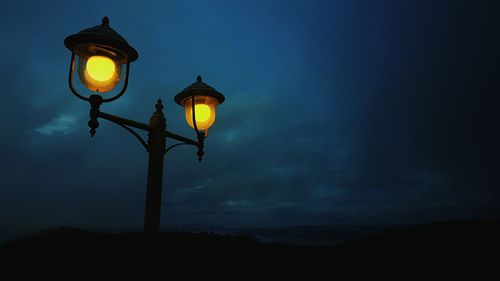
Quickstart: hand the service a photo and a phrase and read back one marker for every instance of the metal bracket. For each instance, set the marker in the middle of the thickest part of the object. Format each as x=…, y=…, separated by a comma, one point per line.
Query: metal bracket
x=134, y=133
x=175, y=145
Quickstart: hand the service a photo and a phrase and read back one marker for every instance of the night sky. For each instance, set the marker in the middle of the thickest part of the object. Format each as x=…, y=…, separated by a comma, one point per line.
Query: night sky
x=359, y=112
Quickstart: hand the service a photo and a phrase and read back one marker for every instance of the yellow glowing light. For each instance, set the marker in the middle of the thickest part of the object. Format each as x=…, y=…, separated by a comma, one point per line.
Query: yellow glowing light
x=99, y=73
x=204, y=109
x=202, y=112
x=100, y=68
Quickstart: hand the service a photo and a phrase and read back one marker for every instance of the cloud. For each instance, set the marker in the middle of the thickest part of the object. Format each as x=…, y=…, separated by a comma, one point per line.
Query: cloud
x=63, y=124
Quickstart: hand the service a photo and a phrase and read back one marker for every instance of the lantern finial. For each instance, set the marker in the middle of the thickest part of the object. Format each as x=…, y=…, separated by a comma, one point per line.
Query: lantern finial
x=105, y=21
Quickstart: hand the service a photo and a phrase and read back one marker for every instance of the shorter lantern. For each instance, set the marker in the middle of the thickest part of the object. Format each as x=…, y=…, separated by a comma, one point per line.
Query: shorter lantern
x=205, y=99
x=101, y=54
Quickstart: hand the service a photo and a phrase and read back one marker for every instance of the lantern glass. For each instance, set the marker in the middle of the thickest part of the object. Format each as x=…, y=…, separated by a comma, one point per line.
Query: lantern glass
x=204, y=107
x=99, y=69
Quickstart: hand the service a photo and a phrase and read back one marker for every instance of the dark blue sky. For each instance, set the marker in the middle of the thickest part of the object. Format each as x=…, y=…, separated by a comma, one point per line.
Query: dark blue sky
x=336, y=112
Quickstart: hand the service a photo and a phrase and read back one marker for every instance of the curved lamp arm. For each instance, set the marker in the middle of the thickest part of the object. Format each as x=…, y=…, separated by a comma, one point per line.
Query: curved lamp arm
x=198, y=143
x=194, y=116
x=126, y=124
x=176, y=145
x=200, y=135
x=134, y=133
x=95, y=113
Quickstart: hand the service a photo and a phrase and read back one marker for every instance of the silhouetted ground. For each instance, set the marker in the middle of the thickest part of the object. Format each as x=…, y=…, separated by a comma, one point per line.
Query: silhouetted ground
x=73, y=254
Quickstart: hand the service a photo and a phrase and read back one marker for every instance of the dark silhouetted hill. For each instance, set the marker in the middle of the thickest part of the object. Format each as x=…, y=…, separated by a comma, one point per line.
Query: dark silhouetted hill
x=451, y=247
x=75, y=254
x=314, y=235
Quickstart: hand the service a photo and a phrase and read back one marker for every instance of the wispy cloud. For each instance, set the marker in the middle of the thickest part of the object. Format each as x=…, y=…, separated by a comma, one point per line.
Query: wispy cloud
x=62, y=124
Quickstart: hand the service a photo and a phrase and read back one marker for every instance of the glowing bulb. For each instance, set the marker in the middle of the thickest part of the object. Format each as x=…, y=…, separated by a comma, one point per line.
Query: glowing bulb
x=100, y=68
x=202, y=112
x=99, y=73
x=204, y=109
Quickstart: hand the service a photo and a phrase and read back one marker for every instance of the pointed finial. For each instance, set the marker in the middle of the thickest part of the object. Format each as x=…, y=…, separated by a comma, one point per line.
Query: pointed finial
x=159, y=105
x=105, y=21
x=200, y=154
x=198, y=79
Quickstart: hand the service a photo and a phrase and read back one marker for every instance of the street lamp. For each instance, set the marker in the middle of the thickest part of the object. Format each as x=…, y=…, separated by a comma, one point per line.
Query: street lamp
x=203, y=99
x=101, y=53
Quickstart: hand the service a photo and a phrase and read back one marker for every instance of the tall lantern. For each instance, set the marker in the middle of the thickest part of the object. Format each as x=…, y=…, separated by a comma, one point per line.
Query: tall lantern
x=101, y=54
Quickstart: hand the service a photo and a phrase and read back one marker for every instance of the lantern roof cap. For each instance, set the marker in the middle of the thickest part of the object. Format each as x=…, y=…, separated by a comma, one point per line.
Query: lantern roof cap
x=199, y=88
x=102, y=35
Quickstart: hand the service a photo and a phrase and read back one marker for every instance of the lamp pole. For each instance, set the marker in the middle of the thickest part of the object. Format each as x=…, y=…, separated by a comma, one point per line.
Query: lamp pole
x=101, y=52
x=156, y=143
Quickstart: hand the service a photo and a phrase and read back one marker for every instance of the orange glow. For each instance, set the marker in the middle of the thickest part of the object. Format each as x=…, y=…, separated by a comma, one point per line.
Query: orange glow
x=99, y=73
x=202, y=112
x=204, y=109
x=100, y=68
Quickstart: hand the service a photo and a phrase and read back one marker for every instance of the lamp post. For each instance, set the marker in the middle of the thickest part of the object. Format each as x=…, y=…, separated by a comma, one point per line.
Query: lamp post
x=100, y=53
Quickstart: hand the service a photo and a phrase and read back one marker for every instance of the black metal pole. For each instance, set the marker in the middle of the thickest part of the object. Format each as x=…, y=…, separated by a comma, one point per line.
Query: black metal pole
x=156, y=146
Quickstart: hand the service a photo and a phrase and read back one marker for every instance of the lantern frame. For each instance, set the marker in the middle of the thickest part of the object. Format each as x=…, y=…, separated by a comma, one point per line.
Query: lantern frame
x=104, y=37
x=198, y=88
